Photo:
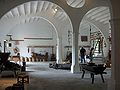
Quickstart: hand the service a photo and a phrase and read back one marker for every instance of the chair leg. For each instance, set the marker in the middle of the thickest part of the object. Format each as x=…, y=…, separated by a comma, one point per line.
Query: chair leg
x=92, y=76
x=102, y=78
x=83, y=74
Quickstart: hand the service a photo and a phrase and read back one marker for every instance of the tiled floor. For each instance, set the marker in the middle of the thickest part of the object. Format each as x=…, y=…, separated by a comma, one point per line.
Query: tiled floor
x=44, y=78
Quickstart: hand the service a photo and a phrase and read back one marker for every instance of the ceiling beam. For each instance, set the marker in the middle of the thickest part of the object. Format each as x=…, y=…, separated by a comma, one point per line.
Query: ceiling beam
x=92, y=10
x=20, y=10
x=11, y=14
x=96, y=11
x=79, y=4
x=50, y=6
x=33, y=6
x=27, y=8
x=105, y=19
x=100, y=14
x=42, y=6
x=46, y=5
x=102, y=17
x=71, y=2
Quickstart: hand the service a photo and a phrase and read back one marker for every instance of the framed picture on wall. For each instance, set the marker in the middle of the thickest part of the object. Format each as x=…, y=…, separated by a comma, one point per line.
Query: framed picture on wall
x=84, y=38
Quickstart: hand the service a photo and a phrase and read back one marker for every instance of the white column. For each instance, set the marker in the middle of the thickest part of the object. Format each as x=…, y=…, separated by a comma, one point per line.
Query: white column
x=59, y=50
x=114, y=83
x=75, y=65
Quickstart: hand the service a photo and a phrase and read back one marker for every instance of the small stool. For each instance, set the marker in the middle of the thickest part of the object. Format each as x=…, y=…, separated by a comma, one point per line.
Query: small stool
x=22, y=78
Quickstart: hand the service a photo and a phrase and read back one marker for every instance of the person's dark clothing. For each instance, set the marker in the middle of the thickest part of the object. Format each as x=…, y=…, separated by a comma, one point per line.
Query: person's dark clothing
x=91, y=54
x=82, y=54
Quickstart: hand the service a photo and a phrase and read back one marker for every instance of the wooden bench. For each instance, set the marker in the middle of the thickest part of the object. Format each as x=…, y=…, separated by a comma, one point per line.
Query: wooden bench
x=94, y=70
x=65, y=66
x=6, y=65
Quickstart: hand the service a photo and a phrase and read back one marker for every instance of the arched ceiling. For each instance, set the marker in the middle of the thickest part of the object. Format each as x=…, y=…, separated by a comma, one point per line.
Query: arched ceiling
x=34, y=8
x=30, y=11
x=97, y=19
x=76, y=3
x=100, y=14
x=100, y=17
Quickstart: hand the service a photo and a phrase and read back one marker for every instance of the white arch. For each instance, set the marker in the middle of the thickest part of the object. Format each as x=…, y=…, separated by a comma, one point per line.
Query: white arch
x=93, y=17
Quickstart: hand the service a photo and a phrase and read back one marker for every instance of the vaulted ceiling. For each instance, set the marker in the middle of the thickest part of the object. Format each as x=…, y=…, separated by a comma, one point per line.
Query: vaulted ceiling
x=100, y=14
x=76, y=3
x=31, y=11
x=35, y=8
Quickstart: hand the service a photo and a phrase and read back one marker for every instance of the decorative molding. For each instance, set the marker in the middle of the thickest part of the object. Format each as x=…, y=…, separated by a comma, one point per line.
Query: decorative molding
x=17, y=40
x=40, y=46
x=39, y=38
x=87, y=46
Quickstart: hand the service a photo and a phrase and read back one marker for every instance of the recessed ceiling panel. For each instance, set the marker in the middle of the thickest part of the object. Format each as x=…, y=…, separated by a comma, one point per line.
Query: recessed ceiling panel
x=76, y=3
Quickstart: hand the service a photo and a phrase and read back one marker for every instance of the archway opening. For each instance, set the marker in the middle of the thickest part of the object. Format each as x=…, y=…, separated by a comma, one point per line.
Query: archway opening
x=34, y=13
x=96, y=27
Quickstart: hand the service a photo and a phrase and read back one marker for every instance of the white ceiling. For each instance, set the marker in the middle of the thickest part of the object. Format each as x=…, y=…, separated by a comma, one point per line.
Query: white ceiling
x=76, y=3
x=100, y=14
x=30, y=11
x=34, y=8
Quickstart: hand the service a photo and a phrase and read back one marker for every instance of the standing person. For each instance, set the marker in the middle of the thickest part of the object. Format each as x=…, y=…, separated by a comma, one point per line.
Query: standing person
x=91, y=54
x=82, y=54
